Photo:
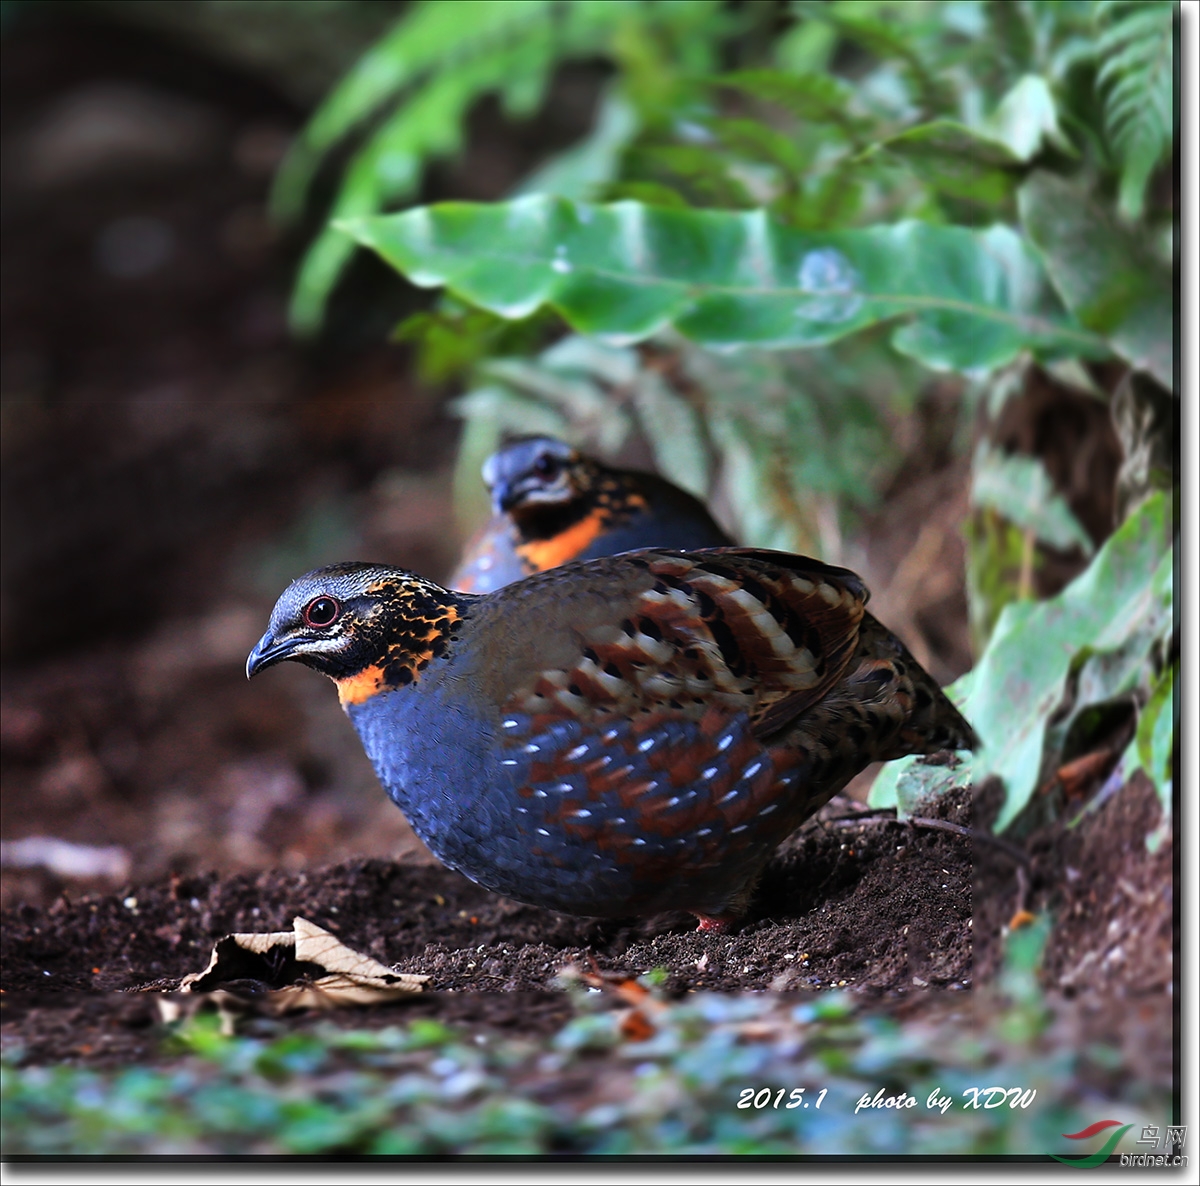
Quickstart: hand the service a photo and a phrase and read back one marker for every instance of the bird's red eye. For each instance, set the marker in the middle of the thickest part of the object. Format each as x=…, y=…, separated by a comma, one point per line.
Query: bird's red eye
x=546, y=466
x=321, y=611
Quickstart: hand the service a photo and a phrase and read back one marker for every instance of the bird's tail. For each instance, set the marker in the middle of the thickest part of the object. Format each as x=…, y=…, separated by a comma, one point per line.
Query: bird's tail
x=932, y=722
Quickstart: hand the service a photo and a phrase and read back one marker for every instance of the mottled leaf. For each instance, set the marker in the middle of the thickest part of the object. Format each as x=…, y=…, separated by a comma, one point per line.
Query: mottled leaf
x=1123, y=600
x=1156, y=736
x=1020, y=489
x=1105, y=274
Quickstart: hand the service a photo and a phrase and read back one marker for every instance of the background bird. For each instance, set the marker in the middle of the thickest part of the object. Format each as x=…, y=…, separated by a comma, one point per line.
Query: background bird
x=620, y=736
x=552, y=503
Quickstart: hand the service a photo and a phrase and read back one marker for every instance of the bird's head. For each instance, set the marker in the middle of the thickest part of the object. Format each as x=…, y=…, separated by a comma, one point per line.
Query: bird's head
x=533, y=474
x=369, y=628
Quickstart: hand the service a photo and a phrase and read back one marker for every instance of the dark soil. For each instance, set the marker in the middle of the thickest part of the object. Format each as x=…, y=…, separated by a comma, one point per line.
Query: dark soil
x=839, y=907
x=871, y=905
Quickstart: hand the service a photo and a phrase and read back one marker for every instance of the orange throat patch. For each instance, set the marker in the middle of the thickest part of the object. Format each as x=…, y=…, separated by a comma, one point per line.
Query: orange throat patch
x=354, y=689
x=423, y=639
x=550, y=553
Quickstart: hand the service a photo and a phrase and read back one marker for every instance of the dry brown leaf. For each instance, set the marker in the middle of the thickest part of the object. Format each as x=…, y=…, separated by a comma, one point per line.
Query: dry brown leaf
x=306, y=967
x=635, y=1026
x=1078, y=776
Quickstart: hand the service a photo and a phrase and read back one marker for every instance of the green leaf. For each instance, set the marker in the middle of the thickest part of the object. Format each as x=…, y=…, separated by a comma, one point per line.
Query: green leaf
x=1105, y=275
x=430, y=69
x=1027, y=119
x=1021, y=490
x=1123, y=600
x=971, y=299
x=1155, y=738
x=955, y=160
x=813, y=98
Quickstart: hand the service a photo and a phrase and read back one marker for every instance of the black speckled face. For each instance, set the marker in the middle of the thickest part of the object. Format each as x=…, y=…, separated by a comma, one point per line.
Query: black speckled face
x=369, y=628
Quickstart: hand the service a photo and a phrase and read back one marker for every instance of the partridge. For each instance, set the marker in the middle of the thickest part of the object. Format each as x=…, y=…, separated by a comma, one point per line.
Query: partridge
x=552, y=504
x=619, y=736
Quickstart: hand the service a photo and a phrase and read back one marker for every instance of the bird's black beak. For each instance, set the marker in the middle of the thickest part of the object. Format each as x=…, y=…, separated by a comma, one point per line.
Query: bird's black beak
x=268, y=652
x=506, y=495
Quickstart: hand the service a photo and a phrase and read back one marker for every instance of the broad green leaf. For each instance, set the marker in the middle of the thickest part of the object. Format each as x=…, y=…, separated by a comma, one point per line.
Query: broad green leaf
x=426, y=74
x=1021, y=490
x=389, y=167
x=1100, y=681
x=1123, y=600
x=1124, y=593
x=1106, y=276
x=970, y=299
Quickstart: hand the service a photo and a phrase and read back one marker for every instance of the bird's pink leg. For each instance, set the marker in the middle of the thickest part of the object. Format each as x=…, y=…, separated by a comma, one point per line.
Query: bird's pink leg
x=715, y=926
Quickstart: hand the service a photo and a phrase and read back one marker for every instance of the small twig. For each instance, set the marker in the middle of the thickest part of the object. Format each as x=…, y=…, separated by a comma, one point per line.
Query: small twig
x=1025, y=580
x=1022, y=891
x=887, y=815
x=868, y=813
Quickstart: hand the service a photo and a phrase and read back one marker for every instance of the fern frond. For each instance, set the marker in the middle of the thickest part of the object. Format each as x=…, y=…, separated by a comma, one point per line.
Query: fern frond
x=898, y=42
x=430, y=37
x=389, y=169
x=430, y=69
x=1137, y=78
